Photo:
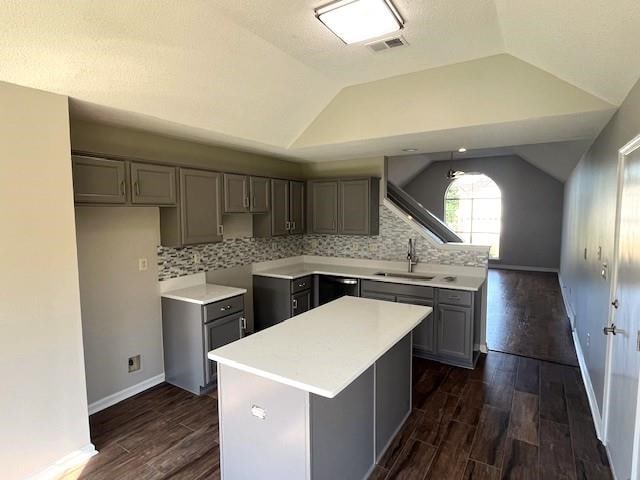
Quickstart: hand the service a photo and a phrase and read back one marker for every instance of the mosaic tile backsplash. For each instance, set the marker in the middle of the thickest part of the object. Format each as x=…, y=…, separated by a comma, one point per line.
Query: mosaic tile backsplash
x=390, y=244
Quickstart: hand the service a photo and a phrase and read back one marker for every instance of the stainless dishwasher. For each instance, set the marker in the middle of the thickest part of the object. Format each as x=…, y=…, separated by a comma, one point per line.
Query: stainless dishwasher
x=333, y=287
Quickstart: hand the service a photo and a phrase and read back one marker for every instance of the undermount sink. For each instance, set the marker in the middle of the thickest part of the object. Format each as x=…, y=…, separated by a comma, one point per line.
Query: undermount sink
x=413, y=276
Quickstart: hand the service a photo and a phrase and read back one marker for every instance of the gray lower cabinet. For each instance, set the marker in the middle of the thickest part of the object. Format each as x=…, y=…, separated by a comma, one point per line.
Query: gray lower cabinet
x=198, y=216
x=99, y=180
x=278, y=299
x=345, y=206
x=447, y=335
x=152, y=184
x=455, y=332
x=190, y=331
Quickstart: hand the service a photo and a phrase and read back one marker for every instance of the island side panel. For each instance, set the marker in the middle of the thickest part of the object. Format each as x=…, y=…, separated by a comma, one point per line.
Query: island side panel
x=255, y=448
x=393, y=392
x=342, y=430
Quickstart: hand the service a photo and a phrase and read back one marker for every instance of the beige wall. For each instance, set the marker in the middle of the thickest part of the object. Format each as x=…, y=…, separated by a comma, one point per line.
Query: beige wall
x=126, y=142
x=121, y=314
x=43, y=406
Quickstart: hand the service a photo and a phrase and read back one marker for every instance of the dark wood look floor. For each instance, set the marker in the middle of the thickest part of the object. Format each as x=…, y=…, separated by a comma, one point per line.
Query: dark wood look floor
x=526, y=316
x=512, y=417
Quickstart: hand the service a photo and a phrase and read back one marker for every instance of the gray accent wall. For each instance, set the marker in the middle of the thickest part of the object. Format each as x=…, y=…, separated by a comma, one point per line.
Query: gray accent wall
x=589, y=222
x=531, y=206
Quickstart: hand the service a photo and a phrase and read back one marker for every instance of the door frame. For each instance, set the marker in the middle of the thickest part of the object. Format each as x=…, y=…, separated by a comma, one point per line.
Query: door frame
x=623, y=152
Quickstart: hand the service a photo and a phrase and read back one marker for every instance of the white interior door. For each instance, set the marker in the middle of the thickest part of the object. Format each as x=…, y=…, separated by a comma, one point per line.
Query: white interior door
x=622, y=414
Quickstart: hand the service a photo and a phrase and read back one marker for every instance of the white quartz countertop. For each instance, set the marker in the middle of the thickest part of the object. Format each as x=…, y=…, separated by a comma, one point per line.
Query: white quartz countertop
x=461, y=282
x=325, y=349
x=205, y=293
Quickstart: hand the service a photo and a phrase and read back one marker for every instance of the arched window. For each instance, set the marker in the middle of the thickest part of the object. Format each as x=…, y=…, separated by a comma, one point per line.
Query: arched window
x=473, y=209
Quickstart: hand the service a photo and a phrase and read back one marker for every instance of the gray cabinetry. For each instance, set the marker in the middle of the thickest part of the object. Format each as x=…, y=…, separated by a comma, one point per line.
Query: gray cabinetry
x=278, y=299
x=99, y=180
x=344, y=206
x=323, y=206
x=358, y=201
x=153, y=184
x=197, y=217
x=285, y=215
x=236, y=193
x=447, y=335
x=259, y=194
x=190, y=331
x=455, y=332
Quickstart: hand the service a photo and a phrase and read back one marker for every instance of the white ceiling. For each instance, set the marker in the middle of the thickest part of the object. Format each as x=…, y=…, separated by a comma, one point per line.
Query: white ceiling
x=255, y=74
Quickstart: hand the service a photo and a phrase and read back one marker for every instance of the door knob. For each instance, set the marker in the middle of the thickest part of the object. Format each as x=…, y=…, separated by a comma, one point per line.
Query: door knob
x=612, y=329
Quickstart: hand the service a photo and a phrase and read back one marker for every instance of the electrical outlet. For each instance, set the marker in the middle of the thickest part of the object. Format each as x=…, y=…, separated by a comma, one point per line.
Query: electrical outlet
x=143, y=264
x=197, y=258
x=134, y=363
x=373, y=247
x=314, y=243
x=588, y=339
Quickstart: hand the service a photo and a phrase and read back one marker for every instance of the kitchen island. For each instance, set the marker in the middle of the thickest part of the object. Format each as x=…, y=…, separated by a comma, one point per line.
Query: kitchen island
x=319, y=396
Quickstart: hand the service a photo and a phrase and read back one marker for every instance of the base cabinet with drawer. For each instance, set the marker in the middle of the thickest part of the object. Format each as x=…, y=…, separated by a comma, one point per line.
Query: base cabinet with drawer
x=190, y=331
x=278, y=299
x=447, y=335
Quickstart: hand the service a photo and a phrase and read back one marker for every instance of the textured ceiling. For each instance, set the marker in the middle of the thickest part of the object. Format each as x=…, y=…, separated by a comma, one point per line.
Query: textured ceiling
x=256, y=74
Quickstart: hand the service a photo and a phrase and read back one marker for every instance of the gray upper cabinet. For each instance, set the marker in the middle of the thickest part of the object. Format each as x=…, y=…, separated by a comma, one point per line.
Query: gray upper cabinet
x=197, y=218
x=98, y=180
x=323, y=206
x=354, y=206
x=286, y=210
x=279, y=207
x=455, y=332
x=153, y=184
x=236, y=193
x=259, y=194
x=296, y=207
x=344, y=206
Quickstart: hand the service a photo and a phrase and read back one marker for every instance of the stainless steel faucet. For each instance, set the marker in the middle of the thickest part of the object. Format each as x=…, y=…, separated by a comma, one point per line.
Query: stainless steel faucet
x=412, y=258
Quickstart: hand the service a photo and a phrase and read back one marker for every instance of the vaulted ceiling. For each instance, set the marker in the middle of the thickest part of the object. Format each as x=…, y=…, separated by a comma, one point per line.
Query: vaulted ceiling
x=267, y=76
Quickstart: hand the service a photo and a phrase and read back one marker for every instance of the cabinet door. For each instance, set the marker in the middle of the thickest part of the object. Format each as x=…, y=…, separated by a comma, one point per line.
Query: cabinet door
x=424, y=336
x=354, y=201
x=236, y=195
x=200, y=206
x=300, y=302
x=324, y=206
x=379, y=296
x=98, y=180
x=454, y=332
x=259, y=193
x=279, y=207
x=296, y=207
x=220, y=333
x=153, y=184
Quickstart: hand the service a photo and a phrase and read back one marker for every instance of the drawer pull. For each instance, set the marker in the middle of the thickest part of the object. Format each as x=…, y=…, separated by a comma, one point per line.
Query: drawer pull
x=303, y=284
x=224, y=309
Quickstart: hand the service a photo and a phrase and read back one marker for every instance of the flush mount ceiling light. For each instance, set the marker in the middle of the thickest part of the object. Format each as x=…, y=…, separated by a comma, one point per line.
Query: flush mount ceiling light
x=358, y=20
x=409, y=149
x=462, y=149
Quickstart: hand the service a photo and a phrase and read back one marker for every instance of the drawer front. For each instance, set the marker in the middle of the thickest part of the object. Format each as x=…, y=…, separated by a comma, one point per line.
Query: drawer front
x=454, y=297
x=223, y=308
x=300, y=284
x=397, y=289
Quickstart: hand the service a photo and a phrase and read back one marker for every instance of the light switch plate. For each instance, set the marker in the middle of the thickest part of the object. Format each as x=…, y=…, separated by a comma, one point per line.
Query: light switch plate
x=143, y=264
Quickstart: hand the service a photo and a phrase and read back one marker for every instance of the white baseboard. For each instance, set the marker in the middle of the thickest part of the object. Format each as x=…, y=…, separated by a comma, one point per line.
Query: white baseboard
x=106, y=402
x=525, y=268
x=591, y=395
x=67, y=463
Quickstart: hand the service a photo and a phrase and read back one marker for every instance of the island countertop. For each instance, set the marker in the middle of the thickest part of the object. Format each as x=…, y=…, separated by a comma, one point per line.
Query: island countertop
x=323, y=350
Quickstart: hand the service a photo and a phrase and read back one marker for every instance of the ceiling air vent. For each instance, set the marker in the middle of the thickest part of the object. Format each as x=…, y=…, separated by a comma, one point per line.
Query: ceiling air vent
x=387, y=44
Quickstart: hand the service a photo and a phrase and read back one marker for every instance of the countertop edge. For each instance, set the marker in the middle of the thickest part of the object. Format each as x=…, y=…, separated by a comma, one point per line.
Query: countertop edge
x=241, y=291
x=310, y=388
